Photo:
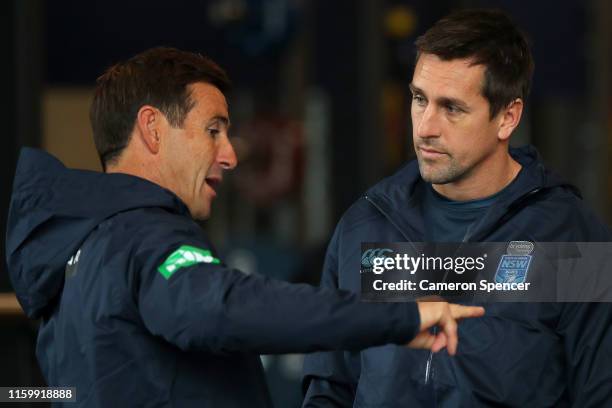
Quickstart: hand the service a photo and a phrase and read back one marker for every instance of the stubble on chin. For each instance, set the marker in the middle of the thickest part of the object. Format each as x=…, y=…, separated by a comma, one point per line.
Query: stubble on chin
x=439, y=173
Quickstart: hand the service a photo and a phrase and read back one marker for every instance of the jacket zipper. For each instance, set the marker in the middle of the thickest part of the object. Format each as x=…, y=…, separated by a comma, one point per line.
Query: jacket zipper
x=435, y=329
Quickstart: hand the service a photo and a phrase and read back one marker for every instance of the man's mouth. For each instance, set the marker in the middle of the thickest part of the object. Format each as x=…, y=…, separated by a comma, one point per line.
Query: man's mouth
x=428, y=152
x=213, y=182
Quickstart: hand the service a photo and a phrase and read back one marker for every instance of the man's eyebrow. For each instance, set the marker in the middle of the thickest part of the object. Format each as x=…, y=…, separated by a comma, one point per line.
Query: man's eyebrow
x=415, y=89
x=444, y=100
x=220, y=118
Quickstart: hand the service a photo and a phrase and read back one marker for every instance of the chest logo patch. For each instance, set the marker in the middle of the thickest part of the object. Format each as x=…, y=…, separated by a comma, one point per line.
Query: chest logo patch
x=513, y=266
x=185, y=256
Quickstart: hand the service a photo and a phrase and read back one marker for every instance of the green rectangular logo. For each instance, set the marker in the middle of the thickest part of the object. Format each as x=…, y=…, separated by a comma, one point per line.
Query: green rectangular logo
x=185, y=256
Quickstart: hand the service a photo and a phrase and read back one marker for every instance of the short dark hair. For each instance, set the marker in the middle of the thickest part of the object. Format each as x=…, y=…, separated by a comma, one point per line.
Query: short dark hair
x=489, y=38
x=159, y=77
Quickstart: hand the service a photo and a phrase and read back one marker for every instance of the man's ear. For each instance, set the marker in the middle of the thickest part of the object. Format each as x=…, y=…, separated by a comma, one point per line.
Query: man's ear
x=509, y=119
x=150, y=122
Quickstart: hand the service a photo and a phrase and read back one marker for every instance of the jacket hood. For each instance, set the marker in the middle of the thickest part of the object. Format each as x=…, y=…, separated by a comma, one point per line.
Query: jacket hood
x=393, y=194
x=53, y=209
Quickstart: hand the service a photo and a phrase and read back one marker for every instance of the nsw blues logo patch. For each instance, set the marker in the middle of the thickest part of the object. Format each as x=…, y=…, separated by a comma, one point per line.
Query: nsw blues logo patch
x=514, y=266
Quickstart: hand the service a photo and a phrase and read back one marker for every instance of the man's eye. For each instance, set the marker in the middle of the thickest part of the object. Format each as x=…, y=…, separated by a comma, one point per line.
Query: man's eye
x=418, y=99
x=453, y=109
x=213, y=132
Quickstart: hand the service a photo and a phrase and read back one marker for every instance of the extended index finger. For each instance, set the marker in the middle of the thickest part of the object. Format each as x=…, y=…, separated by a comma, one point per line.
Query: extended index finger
x=463, y=312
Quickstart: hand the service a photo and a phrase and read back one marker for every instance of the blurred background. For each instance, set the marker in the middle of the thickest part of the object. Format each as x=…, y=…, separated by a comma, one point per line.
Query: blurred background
x=320, y=111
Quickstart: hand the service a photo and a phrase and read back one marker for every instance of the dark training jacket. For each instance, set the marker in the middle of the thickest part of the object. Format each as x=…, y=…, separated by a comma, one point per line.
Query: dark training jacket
x=136, y=308
x=517, y=355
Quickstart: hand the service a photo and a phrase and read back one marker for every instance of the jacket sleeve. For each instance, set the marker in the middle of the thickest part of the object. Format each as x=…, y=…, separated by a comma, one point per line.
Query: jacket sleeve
x=586, y=328
x=330, y=378
x=587, y=332
x=208, y=306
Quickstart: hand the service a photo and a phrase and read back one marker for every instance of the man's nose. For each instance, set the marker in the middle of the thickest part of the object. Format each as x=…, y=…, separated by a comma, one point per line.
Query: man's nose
x=227, y=156
x=428, y=124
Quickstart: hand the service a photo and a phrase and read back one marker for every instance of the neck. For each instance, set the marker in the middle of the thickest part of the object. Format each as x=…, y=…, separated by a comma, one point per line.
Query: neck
x=130, y=163
x=485, y=179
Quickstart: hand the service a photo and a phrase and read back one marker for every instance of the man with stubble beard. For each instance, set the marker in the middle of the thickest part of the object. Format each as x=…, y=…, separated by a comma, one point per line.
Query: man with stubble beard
x=469, y=87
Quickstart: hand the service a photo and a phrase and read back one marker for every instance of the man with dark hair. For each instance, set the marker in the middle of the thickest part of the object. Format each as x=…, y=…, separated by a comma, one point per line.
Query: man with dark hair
x=470, y=82
x=158, y=77
x=137, y=309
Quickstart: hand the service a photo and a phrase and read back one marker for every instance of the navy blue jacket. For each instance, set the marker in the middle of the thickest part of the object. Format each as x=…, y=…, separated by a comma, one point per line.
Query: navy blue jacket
x=518, y=355
x=129, y=321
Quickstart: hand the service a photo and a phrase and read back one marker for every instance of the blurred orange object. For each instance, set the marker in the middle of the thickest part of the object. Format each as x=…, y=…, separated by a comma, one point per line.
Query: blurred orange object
x=9, y=306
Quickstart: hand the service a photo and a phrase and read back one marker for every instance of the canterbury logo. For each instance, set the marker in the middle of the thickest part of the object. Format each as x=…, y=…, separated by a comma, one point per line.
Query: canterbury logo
x=74, y=258
x=367, y=259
